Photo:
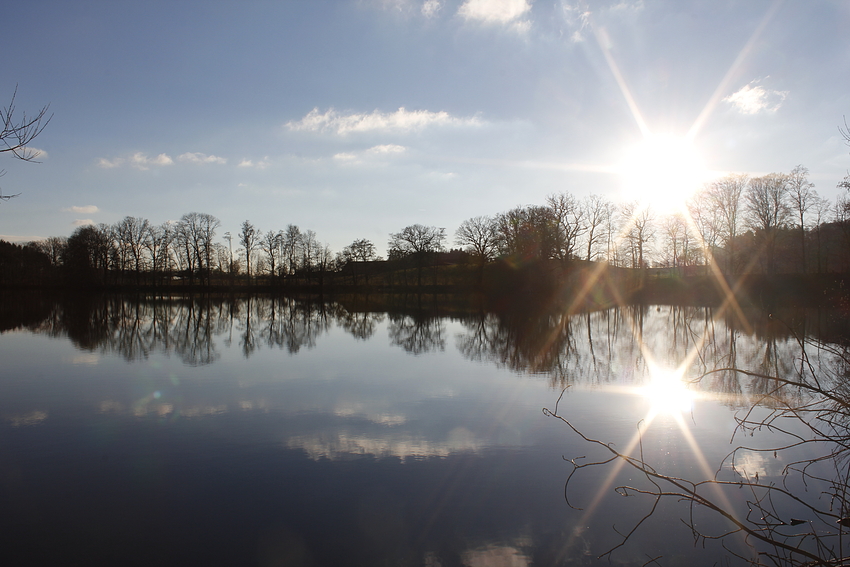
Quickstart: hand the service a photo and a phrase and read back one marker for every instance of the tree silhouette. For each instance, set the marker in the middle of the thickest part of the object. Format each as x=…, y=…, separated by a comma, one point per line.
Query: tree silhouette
x=419, y=242
x=249, y=238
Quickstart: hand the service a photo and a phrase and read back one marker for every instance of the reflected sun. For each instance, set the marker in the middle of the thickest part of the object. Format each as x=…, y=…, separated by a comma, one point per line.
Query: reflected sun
x=667, y=393
x=662, y=172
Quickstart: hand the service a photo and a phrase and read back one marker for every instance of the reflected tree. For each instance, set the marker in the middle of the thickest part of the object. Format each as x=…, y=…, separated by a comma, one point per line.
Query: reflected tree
x=795, y=515
x=417, y=334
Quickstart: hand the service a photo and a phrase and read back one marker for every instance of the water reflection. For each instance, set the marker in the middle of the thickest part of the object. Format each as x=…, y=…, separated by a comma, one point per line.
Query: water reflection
x=300, y=432
x=614, y=346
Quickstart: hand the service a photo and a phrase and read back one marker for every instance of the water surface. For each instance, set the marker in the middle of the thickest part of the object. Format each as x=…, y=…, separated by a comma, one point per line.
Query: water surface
x=269, y=431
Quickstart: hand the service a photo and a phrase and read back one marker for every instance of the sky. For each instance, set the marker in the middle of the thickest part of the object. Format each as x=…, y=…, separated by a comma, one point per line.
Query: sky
x=357, y=118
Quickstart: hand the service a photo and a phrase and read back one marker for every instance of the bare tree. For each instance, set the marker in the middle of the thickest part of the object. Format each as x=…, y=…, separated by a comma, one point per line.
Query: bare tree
x=291, y=248
x=478, y=236
x=528, y=233
x=361, y=250
x=419, y=242
x=195, y=234
x=570, y=221
x=158, y=243
x=249, y=238
x=597, y=210
x=821, y=208
x=707, y=221
x=131, y=233
x=53, y=247
x=17, y=132
x=802, y=195
x=767, y=212
x=310, y=248
x=676, y=240
x=725, y=197
x=638, y=232
x=270, y=245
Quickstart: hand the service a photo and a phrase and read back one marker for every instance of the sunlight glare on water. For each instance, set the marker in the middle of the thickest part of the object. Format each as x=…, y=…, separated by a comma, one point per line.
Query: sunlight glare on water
x=667, y=392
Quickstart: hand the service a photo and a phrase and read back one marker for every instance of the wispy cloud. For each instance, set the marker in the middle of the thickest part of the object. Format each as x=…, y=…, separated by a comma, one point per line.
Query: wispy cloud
x=577, y=18
x=84, y=210
x=109, y=163
x=387, y=149
x=430, y=8
x=494, y=11
x=753, y=99
x=37, y=153
x=82, y=222
x=142, y=161
x=402, y=120
x=578, y=15
x=138, y=160
x=374, y=155
x=260, y=164
x=199, y=158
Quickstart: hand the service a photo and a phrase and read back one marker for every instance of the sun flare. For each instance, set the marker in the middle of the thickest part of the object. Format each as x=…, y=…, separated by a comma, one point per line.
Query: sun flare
x=667, y=393
x=662, y=172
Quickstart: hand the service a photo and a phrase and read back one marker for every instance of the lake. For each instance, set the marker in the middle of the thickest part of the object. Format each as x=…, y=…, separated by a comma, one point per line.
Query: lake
x=276, y=431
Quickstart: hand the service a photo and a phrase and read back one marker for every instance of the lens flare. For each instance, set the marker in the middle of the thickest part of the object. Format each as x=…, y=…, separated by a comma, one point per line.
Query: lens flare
x=668, y=393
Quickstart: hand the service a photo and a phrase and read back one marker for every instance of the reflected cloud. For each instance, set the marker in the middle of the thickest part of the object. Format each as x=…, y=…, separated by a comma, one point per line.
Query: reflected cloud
x=345, y=445
x=379, y=418
x=495, y=555
x=111, y=406
x=86, y=359
x=752, y=465
x=34, y=417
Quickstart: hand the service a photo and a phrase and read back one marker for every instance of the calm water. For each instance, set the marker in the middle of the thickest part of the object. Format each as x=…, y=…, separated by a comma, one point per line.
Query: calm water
x=267, y=431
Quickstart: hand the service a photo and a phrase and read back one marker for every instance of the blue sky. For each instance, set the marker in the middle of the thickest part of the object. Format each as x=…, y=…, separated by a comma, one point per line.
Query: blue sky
x=357, y=118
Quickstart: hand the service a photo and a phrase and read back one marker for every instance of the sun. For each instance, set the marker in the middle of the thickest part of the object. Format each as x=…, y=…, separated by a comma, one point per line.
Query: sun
x=662, y=172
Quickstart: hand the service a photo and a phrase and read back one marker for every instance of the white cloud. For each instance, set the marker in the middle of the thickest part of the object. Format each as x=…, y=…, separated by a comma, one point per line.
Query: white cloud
x=85, y=210
x=108, y=164
x=36, y=153
x=400, y=120
x=142, y=161
x=431, y=7
x=82, y=222
x=345, y=157
x=493, y=11
x=261, y=164
x=387, y=149
x=753, y=99
x=578, y=19
x=139, y=160
x=199, y=158
x=371, y=154
x=402, y=6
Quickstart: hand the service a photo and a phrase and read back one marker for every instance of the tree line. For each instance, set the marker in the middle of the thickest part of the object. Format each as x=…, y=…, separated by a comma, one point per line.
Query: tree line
x=776, y=223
